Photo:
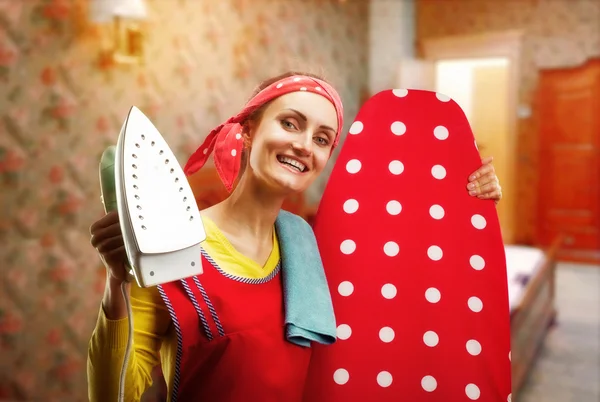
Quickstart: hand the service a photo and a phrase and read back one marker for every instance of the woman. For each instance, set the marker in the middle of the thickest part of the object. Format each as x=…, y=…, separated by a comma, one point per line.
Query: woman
x=228, y=335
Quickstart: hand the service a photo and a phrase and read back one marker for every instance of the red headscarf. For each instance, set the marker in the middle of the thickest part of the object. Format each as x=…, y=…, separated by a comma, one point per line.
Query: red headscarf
x=226, y=139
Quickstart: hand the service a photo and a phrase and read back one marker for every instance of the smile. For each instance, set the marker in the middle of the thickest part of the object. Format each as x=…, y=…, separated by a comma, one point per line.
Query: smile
x=292, y=163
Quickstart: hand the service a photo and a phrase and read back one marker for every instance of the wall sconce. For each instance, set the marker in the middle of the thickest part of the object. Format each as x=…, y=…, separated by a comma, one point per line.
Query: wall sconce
x=123, y=42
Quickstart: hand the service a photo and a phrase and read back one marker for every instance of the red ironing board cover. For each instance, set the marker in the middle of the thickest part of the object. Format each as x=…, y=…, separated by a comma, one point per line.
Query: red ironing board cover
x=416, y=266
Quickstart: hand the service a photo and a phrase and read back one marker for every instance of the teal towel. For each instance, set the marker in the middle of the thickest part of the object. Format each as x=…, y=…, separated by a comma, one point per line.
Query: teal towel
x=308, y=308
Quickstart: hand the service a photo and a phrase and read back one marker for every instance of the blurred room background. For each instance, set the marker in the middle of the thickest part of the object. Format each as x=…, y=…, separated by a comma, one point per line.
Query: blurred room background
x=526, y=73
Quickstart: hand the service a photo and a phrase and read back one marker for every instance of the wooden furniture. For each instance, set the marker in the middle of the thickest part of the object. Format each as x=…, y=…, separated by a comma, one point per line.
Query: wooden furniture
x=533, y=309
x=569, y=186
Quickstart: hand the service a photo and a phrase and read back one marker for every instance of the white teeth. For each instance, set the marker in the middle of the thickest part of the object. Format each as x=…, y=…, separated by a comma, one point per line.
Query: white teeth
x=292, y=162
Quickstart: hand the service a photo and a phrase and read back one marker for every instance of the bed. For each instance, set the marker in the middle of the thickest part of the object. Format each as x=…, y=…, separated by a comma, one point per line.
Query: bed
x=530, y=276
x=531, y=287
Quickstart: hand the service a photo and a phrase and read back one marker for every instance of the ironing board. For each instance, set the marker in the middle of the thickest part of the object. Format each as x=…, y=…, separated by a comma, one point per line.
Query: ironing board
x=416, y=266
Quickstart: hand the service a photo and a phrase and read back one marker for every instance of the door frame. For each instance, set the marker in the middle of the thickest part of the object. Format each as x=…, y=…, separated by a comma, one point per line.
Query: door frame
x=506, y=44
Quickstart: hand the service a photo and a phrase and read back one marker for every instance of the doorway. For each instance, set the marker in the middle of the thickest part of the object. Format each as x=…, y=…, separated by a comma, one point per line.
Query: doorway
x=481, y=73
x=481, y=89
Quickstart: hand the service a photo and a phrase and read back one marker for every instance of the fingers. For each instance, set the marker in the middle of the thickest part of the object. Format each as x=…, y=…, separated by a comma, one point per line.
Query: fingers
x=484, y=184
x=486, y=168
x=107, y=246
x=116, y=253
x=494, y=194
x=107, y=220
x=101, y=235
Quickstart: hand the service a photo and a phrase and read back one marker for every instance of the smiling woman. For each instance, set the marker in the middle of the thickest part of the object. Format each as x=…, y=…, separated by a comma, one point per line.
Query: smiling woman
x=293, y=133
x=228, y=325
x=290, y=119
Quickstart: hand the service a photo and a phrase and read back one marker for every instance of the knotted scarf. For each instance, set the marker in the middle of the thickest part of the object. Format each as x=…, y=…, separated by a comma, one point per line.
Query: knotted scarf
x=226, y=139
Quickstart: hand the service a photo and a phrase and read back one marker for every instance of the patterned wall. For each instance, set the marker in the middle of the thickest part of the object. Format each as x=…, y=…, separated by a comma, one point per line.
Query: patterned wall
x=558, y=33
x=58, y=110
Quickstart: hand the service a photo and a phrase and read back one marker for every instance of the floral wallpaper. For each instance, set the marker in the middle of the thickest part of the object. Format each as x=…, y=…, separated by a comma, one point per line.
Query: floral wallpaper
x=59, y=109
x=558, y=34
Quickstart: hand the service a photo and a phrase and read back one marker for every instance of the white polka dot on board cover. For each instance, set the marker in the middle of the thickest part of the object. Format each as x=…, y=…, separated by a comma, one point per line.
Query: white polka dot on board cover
x=430, y=338
x=400, y=93
x=344, y=331
x=473, y=392
x=477, y=262
x=348, y=246
x=435, y=253
x=356, y=128
x=436, y=212
x=391, y=249
x=473, y=347
x=393, y=207
x=341, y=376
x=353, y=166
x=433, y=295
x=438, y=171
x=350, y=206
x=388, y=291
x=441, y=132
x=398, y=128
x=386, y=334
x=384, y=379
x=442, y=97
x=475, y=304
x=346, y=288
x=396, y=167
x=429, y=383
x=478, y=221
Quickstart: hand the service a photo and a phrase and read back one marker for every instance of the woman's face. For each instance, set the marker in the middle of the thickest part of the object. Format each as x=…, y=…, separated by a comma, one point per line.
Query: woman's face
x=292, y=142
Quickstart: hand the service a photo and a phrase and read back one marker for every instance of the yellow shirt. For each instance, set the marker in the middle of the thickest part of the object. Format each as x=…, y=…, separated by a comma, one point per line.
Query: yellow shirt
x=155, y=341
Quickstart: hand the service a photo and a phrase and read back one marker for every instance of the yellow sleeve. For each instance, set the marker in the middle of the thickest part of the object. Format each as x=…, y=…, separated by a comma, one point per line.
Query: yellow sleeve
x=107, y=346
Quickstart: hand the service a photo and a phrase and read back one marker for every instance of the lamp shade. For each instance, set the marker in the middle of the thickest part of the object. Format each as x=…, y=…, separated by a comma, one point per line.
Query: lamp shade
x=102, y=11
x=134, y=9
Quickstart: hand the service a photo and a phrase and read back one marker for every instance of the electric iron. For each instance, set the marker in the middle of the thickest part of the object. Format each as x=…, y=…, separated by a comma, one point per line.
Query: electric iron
x=160, y=221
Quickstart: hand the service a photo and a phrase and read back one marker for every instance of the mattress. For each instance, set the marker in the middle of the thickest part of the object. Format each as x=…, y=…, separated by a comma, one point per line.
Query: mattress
x=522, y=263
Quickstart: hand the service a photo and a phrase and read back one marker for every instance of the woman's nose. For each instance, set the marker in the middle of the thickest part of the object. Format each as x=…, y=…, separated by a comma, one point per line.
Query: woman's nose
x=303, y=144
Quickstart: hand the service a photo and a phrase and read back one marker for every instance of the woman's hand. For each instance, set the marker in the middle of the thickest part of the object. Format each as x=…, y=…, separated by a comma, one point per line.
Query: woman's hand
x=484, y=183
x=107, y=239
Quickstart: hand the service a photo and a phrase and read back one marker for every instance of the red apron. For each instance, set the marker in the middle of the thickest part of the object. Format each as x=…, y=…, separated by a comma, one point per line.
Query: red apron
x=230, y=339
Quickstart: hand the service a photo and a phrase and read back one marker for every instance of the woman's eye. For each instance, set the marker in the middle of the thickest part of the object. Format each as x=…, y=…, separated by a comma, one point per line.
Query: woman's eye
x=288, y=124
x=322, y=141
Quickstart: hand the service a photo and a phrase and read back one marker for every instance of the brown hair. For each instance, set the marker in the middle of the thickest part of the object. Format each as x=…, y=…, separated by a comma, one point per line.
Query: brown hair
x=257, y=114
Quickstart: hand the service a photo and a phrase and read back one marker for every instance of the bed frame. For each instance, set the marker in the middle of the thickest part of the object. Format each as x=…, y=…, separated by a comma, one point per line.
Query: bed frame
x=533, y=318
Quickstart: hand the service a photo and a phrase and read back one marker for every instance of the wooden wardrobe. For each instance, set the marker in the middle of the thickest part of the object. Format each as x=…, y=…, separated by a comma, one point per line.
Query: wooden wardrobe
x=569, y=169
